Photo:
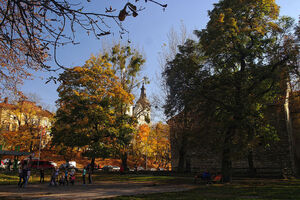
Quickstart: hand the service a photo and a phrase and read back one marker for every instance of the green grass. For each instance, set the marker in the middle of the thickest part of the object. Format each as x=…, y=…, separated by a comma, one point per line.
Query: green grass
x=11, y=178
x=8, y=178
x=239, y=189
x=141, y=178
x=262, y=189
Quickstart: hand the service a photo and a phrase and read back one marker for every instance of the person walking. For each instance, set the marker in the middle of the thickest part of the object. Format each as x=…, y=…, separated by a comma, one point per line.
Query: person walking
x=28, y=176
x=72, y=176
x=56, y=174
x=9, y=164
x=20, y=175
x=42, y=175
x=24, y=177
x=83, y=175
x=90, y=174
x=53, y=178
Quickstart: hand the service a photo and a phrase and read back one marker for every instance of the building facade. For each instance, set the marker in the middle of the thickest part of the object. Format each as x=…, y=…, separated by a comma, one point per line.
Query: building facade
x=24, y=117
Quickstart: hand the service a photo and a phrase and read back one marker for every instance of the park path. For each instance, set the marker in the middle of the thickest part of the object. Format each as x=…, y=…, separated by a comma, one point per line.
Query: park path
x=94, y=191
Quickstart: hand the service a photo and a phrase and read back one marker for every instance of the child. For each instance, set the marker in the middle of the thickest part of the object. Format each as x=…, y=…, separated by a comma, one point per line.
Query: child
x=72, y=178
x=66, y=176
x=62, y=180
x=83, y=175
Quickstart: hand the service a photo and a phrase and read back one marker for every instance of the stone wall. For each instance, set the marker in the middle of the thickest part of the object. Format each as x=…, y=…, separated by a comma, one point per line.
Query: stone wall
x=201, y=155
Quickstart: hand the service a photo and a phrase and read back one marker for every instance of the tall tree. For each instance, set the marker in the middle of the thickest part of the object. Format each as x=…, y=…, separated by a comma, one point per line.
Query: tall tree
x=182, y=75
x=127, y=64
x=248, y=48
x=247, y=54
x=89, y=97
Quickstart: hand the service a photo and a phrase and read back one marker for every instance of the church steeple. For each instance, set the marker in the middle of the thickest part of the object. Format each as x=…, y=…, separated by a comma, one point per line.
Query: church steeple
x=143, y=92
x=142, y=108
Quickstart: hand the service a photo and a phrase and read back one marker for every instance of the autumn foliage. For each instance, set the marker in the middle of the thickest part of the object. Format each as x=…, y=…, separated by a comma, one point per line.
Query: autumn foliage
x=154, y=143
x=89, y=99
x=27, y=127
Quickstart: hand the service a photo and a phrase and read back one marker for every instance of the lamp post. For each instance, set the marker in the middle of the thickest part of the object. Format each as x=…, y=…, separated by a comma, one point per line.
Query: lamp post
x=146, y=153
x=41, y=135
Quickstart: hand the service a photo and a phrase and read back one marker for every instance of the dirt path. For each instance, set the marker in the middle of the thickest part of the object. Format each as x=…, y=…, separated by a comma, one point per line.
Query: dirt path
x=94, y=191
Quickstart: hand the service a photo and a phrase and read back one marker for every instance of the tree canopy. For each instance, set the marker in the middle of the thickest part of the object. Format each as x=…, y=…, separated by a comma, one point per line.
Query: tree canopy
x=243, y=61
x=88, y=99
x=94, y=102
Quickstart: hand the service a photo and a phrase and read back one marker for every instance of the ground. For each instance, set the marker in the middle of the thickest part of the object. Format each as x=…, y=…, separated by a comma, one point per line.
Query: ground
x=95, y=191
x=150, y=187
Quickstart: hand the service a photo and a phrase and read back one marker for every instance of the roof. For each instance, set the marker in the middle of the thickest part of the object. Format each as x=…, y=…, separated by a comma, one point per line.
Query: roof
x=43, y=113
x=143, y=98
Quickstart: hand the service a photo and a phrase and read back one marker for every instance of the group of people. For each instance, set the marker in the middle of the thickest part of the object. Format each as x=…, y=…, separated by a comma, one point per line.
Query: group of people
x=58, y=177
x=64, y=178
x=24, y=175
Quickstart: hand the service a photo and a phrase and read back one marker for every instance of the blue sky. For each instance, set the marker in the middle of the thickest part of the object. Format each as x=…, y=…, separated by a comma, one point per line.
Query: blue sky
x=148, y=32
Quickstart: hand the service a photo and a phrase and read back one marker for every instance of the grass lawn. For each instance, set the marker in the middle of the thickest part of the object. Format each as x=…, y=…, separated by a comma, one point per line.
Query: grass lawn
x=141, y=178
x=11, y=178
x=247, y=189
x=7, y=178
x=239, y=189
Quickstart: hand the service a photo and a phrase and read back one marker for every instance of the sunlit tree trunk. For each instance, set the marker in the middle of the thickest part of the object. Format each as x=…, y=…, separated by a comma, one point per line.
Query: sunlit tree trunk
x=289, y=128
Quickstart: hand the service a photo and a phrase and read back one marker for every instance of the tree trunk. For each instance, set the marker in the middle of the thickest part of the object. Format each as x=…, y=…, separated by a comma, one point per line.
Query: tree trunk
x=226, y=158
x=182, y=152
x=252, y=170
x=124, y=161
x=289, y=129
x=93, y=163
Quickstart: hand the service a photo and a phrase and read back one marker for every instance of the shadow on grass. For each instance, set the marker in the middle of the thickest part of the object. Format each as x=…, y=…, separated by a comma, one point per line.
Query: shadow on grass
x=252, y=189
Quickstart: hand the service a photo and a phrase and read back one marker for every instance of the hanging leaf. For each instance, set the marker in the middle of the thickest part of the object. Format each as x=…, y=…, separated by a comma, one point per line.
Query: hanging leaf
x=122, y=15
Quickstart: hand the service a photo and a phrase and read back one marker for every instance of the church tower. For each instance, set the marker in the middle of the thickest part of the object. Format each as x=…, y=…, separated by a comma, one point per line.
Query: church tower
x=142, y=108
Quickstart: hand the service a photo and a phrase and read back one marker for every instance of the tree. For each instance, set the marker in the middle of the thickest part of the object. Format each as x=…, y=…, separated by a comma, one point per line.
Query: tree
x=89, y=97
x=247, y=49
x=182, y=76
x=29, y=29
x=127, y=64
x=247, y=53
